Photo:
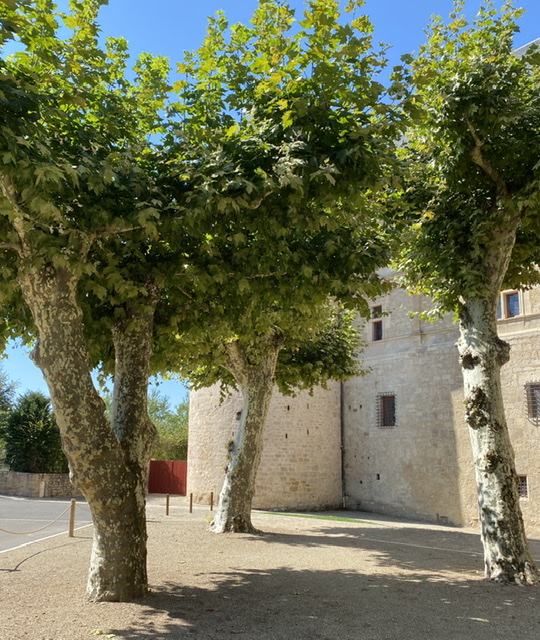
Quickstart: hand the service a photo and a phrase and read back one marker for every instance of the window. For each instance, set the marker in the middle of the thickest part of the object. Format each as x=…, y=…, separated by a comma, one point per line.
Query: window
x=386, y=410
x=532, y=392
x=523, y=487
x=377, y=328
x=509, y=305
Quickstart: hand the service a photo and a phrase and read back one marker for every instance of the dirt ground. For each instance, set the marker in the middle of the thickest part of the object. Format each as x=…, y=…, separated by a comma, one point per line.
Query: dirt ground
x=369, y=578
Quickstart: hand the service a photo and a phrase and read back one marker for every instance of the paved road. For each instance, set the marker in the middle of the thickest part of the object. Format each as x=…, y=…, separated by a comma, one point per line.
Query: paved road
x=29, y=514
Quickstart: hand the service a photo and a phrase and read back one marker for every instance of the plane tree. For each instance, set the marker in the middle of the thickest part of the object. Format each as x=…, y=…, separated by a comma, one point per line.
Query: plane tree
x=284, y=134
x=472, y=213
x=79, y=202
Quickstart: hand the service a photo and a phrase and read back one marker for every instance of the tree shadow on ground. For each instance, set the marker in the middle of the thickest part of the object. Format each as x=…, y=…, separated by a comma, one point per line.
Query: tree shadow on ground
x=436, y=543
x=284, y=604
x=30, y=556
x=408, y=549
x=389, y=583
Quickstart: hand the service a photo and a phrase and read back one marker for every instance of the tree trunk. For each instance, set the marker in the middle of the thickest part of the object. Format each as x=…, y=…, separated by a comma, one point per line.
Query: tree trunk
x=482, y=353
x=256, y=382
x=118, y=562
x=108, y=465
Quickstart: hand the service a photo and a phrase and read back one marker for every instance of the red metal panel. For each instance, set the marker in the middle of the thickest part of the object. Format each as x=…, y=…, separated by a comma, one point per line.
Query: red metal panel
x=167, y=476
x=180, y=477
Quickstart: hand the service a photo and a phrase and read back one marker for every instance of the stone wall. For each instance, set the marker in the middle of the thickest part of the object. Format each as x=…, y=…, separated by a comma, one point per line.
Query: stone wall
x=410, y=469
x=301, y=460
x=37, y=485
x=422, y=467
x=523, y=334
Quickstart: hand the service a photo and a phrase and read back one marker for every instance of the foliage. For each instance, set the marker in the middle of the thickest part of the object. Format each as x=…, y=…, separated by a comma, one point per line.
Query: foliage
x=171, y=425
x=7, y=394
x=284, y=135
x=472, y=155
x=331, y=351
x=32, y=437
x=76, y=154
x=7, y=397
x=328, y=349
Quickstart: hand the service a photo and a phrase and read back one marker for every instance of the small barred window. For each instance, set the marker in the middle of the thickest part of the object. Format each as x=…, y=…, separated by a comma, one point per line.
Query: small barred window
x=532, y=391
x=386, y=410
x=523, y=487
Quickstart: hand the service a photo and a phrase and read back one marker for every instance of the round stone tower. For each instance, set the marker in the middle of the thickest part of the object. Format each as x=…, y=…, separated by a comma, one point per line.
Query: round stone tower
x=301, y=460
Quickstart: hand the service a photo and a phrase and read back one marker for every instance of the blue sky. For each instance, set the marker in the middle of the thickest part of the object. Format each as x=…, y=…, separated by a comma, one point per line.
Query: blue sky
x=177, y=25
x=169, y=27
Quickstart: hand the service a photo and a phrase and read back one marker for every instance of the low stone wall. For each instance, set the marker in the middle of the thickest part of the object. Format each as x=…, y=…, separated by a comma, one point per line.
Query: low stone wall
x=37, y=485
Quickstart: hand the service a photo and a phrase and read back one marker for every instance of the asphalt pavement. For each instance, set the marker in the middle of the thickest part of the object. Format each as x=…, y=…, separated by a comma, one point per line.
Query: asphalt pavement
x=43, y=517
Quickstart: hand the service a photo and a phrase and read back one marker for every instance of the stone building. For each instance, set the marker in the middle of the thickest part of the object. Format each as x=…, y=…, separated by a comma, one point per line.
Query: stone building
x=393, y=441
x=301, y=460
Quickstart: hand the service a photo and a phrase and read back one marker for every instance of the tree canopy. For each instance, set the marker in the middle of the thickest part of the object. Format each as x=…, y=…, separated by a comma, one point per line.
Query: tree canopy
x=473, y=146
x=284, y=132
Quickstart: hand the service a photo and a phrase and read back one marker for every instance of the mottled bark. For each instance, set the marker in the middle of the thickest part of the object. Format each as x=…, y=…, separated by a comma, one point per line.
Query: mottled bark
x=118, y=561
x=256, y=382
x=107, y=464
x=482, y=353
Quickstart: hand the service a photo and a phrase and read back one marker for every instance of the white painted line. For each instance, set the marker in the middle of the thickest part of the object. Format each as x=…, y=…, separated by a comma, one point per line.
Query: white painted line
x=421, y=546
x=55, y=535
x=45, y=500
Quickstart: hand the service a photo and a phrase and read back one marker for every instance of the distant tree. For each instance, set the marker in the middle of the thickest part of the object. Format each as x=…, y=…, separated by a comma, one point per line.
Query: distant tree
x=473, y=156
x=32, y=437
x=171, y=425
x=7, y=396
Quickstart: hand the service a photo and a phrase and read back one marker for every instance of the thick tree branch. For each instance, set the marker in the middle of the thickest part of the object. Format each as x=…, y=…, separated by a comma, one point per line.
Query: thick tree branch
x=8, y=191
x=238, y=361
x=479, y=159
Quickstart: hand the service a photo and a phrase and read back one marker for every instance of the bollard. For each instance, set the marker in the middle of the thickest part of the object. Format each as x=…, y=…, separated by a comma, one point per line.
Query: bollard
x=72, y=517
x=191, y=503
x=211, y=500
x=167, y=505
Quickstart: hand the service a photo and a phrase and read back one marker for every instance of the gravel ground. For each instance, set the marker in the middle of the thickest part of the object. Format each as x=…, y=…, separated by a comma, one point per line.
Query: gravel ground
x=373, y=578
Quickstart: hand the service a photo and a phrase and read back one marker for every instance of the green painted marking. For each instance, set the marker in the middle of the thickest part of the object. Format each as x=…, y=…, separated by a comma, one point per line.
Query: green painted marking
x=318, y=517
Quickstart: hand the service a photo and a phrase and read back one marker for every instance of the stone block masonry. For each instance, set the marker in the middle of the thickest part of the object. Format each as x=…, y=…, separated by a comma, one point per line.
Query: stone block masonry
x=301, y=460
x=421, y=465
x=37, y=485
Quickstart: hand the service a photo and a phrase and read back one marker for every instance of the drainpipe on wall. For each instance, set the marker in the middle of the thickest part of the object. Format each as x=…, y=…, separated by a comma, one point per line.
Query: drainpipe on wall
x=342, y=443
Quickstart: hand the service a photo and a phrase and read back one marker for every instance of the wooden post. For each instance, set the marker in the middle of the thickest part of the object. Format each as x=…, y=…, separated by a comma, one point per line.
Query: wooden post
x=211, y=500
x=167, y=505
x=72, y=517
x=191, y=503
